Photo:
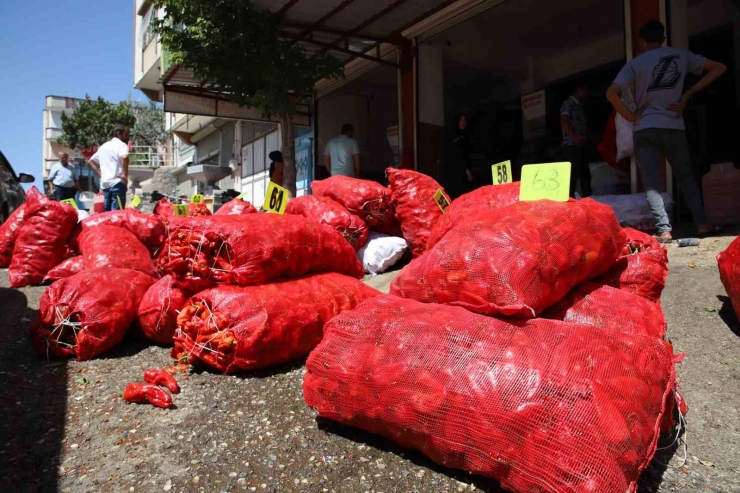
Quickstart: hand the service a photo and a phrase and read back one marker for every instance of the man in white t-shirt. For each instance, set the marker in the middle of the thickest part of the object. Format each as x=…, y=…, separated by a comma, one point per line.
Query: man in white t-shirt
x=342, y=154
x=110, y=163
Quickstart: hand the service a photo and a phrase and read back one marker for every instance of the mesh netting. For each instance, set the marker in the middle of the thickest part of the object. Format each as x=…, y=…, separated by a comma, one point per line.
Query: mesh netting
x=164, y=208
x=610, y=308
x=483, y=199
x=41, y=241
x=159, y=309
x=729, y=272
x=233, y=328
x=149, y=229
x=417, y=211
x=364, y=198
x=115, y=247
x=196, y=210
x=330, y=212
x=642, y=273
x=515, y=261
x=87, y=314
x=67, y=268
x=252, y=249
x=637, y=241
x=543, y=406
x=235, y=207
x=8, y=233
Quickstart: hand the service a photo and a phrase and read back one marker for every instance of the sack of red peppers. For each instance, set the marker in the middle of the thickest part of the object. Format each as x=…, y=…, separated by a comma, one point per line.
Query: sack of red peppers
x=540, y=405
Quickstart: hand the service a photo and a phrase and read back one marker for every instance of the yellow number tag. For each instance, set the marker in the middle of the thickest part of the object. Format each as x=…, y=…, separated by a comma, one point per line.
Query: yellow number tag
x=196, y=198
x=181, y=210
x=135, y=201
x=276, y=199
x=545, y=181
x=441, y=199
x=501, y=173
x=242, y=196
x=71, y=202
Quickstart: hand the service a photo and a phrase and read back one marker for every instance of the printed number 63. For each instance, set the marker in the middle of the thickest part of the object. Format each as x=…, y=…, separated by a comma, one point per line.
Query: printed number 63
x=549, y=183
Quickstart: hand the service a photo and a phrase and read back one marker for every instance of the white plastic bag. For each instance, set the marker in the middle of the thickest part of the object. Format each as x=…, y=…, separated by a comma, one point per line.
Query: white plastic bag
x=633, y=210
x=82, y=214
x=625, y=143
x=381, y=252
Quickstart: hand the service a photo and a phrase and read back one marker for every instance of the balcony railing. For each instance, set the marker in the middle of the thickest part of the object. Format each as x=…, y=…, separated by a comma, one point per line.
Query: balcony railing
x=148, y=156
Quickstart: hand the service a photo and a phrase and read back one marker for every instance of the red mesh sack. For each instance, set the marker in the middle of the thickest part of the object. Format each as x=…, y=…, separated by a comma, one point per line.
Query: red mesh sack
x=483, y=199
x=159, y=308
x=610, y=308
x=413, y=195
x=67, y=268
x=196, y=210
x=149, y=229
x=235, y=207
x=364, y=198
x=232, y=328
x=327, y=211
x=252, y=249
x=89, y=313
x=728, y=262
x=637, y=241
x=41, y=241
x=164, y=208
x=9, y=232
x=540, y=406
x=117, y=248
x=643, y=273
x=516, y=261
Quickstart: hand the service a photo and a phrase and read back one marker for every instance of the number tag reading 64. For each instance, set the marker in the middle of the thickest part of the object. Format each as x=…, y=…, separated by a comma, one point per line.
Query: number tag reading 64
x=276, y=199
x=501, y=173
x=545, y=181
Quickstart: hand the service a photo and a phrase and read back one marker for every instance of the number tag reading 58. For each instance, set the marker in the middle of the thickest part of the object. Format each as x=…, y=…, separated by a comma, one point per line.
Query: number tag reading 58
x=276, y=199
x=501, y=173
x=545, y=181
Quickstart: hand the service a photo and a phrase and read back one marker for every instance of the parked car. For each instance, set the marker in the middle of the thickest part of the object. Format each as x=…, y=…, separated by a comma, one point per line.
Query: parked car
x=12, y=194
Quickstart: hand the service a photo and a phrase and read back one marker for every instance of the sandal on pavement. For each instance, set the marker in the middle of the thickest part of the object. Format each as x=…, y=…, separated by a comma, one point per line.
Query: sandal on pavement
x=664, y=239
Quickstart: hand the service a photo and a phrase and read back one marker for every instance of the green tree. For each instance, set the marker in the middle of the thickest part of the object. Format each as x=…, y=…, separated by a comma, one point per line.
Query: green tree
x=149, y=131
x=93, y=121
x=238, y=48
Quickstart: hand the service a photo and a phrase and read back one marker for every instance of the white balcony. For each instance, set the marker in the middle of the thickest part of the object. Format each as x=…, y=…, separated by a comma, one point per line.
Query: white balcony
x=53, y=134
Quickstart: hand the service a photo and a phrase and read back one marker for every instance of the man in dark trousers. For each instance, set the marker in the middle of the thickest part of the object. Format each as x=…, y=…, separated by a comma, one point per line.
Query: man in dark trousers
x=657, y=78
x=575, y=140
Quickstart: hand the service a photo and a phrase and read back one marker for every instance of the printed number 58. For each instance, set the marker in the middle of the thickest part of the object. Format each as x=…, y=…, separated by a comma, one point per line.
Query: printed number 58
x=502, y=174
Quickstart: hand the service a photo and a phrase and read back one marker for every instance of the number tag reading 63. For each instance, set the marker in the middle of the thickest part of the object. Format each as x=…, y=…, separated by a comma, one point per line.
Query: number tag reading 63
x=441, y=199
x=276, y=199
x=545, y=181
x=501, y=173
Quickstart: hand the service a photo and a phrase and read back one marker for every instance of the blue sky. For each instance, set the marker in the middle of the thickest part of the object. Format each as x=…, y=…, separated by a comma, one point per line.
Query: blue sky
x=65, y=48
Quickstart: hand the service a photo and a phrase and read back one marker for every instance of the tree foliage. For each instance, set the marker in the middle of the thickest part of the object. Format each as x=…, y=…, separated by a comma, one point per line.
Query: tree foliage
x=149, y=129
x=93, y=121
x=238, y=48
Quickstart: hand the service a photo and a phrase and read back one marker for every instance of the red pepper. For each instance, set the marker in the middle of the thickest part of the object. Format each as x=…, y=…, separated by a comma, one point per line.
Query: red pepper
x=146, y=392
x=161, y=377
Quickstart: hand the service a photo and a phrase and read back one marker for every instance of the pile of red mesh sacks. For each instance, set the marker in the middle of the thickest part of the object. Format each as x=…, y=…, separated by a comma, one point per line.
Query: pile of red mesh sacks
x=526, y=344
x=729, y=272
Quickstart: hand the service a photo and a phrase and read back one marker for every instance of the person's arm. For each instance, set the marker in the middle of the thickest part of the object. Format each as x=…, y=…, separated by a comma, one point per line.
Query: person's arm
x=77, y=183
x=52, y=174
x=712, y=71
x=124, y=165
x=568, y=129
x=94, y=166
x=277, y=175
x=327, y=158
x=614, y=95
x=358, y=162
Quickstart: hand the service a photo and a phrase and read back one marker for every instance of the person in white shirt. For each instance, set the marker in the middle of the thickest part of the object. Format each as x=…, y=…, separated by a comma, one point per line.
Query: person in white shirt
x=110, y=163
x=342, y=154
x=64, y=182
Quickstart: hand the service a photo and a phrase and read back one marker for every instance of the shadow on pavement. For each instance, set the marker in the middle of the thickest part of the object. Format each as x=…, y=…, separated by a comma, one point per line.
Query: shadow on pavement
x=34, y=396
x=652, y=477
x=376, y=441
x=728, y=315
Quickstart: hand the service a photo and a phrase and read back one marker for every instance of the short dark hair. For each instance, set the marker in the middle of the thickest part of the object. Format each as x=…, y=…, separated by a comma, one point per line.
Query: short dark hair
x=119, y=130
x=653, y=31
x=347, y=128
x=276, y=156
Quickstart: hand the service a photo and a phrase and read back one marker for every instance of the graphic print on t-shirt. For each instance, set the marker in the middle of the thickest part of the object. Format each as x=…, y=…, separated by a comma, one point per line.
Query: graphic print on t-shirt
x=666, y=74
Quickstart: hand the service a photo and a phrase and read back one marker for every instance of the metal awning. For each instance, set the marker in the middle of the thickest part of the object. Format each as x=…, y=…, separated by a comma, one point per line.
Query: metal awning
x=349, y=29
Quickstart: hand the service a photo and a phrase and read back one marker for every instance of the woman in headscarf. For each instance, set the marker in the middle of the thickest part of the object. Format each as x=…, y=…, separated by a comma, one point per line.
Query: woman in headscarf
x=276, y=167
x=459, y=176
